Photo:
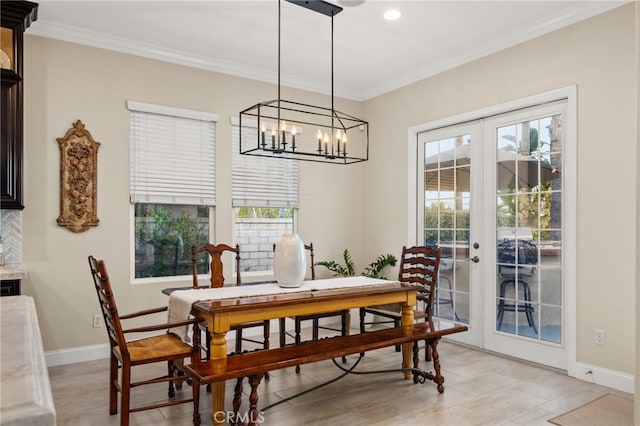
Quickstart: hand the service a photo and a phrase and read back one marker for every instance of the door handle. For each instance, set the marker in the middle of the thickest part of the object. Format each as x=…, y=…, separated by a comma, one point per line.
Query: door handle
x=474, y=259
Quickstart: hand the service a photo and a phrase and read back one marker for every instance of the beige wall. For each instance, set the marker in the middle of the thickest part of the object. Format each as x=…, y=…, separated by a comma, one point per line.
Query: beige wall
x=360, y=207
x=598, y=57
x=66, y=82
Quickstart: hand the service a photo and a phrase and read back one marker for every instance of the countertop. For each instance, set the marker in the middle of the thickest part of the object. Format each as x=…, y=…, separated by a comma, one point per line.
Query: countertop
x=12, y=272
x=26, y=399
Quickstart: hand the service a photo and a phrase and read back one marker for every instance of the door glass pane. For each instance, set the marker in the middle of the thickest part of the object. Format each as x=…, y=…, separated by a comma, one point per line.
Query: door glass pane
x=529, y=229
x=447, y=209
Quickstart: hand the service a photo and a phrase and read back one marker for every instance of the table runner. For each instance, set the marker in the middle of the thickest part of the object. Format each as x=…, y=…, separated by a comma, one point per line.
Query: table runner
x=180, y=301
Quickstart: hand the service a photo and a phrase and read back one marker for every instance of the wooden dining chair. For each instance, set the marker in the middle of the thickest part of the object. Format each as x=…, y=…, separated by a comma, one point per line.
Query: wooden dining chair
x=345, y=317
x=419, y=266
x=216, y=279
x=127, y=353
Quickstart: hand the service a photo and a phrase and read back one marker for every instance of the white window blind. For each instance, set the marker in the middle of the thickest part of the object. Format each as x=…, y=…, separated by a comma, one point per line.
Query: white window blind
x=172, y=158
x=261, y=181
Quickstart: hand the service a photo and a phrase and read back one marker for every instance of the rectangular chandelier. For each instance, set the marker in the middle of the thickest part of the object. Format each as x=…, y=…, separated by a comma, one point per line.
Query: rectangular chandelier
x=287, y=129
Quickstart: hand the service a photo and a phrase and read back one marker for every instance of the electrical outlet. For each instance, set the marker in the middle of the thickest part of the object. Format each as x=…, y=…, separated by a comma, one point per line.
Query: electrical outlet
x=97, y=321
x=598, y=336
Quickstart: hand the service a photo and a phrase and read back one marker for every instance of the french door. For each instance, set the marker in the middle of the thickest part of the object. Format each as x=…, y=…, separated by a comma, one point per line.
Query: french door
x=491, y=196
x=448, y=195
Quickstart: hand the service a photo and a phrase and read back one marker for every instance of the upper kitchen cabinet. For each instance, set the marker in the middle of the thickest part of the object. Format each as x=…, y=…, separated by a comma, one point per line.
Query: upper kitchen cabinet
x=15, y=18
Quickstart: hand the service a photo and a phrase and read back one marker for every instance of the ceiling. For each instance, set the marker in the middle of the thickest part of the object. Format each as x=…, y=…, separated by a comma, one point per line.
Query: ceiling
x=371, y=56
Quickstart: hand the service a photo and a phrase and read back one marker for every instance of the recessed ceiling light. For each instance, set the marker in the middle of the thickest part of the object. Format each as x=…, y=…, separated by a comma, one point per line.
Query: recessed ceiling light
x=392, y=14
x=351, y=3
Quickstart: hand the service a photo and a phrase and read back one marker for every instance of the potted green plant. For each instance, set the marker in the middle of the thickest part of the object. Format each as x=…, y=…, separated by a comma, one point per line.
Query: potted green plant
x=373, y=270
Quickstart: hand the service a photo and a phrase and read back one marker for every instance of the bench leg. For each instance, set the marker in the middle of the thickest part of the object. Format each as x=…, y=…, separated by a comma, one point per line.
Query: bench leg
x=433, y=344
x=237, y=401
x=420, y=376
x=254, y=381
x=416, y=361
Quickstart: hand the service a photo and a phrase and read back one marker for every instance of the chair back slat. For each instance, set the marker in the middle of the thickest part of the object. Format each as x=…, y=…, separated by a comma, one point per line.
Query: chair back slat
x=309, y=248
x=108, y=306
x=419, y=265
x=215, y=253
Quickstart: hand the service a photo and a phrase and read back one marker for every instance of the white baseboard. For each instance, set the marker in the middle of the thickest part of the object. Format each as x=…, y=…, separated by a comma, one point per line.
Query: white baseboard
x=589, y=373
x=74, y=355
x=605, y=377
x=94, y=352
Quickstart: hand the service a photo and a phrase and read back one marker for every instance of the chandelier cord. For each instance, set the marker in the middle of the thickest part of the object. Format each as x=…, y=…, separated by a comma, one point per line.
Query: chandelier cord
x=279, y=58
x=333, y=108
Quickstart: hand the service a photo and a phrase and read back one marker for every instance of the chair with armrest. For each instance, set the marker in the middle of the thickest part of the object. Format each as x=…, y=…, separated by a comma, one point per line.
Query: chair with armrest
x=217, y=280
x=345, y=317
x=419, y=266
x=126, y=354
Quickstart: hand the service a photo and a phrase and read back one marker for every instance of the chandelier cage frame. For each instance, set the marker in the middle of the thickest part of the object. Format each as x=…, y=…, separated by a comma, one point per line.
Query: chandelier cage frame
x=268, y=129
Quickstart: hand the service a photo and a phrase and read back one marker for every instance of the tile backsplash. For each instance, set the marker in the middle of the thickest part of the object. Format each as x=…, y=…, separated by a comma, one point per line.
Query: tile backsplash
x=11, y=232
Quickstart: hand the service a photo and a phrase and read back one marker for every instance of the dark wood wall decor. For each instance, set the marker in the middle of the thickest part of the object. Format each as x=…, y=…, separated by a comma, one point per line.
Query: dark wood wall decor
x=15, y=18
x=78, y=179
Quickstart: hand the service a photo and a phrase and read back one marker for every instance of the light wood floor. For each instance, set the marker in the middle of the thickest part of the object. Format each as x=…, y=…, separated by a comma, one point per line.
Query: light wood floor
x=480, y=389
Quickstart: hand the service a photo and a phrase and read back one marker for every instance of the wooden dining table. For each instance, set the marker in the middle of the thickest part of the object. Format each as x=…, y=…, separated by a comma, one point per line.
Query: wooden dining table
x=312, y=297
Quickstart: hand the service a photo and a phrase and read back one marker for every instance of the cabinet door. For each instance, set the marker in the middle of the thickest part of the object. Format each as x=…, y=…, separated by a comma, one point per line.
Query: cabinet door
x=11, y=142
x=15, y=16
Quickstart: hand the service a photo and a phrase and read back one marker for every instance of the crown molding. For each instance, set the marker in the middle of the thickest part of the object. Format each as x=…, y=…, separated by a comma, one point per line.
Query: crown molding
x=462, y=58
x=99, y=40
x=81, y=36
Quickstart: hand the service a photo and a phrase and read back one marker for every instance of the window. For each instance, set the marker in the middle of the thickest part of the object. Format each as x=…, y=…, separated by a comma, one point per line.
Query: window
x=172, y=186
x=265, y=201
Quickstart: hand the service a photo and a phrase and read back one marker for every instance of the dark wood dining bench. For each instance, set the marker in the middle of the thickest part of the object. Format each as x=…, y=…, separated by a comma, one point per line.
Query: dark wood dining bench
x=255, y=364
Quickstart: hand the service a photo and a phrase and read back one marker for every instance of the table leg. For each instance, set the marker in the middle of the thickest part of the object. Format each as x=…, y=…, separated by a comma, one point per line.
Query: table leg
x=407, y=319
x=218, y=350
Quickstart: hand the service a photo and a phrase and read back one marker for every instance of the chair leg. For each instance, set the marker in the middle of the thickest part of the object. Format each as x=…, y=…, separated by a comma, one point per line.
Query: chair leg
x=178, y=373
x=427, y=352
x=396, y=323
x=266, y=332
x=170, y=373
x=239, y=340
x=503, y=289
x=125, y=394
x=282, y=333
x=345, y=318
x=113, y=388
x=266, y=327
x=297, y=330
x=207, y=350
x=362, y=317
x=528, y=306
x=297, y=337
x=195, y=389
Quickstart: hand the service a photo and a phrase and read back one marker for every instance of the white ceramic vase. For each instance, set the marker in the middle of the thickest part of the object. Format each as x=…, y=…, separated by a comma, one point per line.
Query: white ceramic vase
x=290, y=261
